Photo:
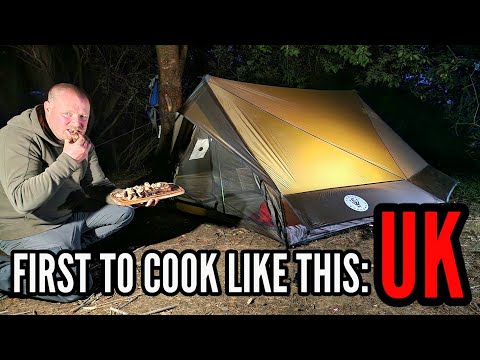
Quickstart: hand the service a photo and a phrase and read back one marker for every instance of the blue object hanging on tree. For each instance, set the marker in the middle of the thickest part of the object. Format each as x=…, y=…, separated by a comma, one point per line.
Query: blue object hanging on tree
x=152, y=107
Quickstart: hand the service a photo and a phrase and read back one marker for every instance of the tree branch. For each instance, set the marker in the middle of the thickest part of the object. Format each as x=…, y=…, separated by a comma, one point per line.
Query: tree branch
x=182, y=57
x=116, y=118
x=474, y=121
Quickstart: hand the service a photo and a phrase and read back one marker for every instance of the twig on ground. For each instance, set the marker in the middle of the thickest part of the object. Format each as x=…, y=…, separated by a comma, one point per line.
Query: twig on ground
x=88, y=301
x=130, y=301
x=117, y=311
x=115, y=301
x=474, y=307
x=3, y=312
x=108, y=303
x=26, y=312
x=159, y=310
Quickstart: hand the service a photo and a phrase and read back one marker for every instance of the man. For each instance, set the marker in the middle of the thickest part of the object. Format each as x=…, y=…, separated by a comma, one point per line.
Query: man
x=53, y=193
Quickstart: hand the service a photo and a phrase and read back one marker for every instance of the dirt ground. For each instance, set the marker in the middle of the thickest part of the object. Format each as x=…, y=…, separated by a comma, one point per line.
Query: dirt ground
x=162, y=228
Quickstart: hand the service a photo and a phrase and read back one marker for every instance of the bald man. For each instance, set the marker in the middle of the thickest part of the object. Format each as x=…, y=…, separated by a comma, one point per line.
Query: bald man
x=53, y=192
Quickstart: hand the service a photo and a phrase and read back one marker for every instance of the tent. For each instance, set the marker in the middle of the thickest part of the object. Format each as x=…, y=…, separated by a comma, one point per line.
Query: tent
x=294, y=164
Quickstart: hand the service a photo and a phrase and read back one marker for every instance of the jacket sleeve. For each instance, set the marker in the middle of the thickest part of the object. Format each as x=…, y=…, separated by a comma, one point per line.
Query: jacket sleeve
x=27, y=179
x=95, y=184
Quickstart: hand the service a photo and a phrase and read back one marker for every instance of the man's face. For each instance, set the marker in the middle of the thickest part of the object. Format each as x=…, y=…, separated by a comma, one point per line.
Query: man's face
x=67, y=110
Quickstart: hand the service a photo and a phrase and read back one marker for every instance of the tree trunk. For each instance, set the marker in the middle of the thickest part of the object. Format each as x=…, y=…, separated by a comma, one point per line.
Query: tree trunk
x=171, y=61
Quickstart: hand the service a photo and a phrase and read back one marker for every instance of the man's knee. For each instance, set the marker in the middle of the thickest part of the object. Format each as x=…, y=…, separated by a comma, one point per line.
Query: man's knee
x=126, y=215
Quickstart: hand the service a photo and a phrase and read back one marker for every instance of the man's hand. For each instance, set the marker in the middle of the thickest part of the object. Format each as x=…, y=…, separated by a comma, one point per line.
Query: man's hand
x=152, y=202
x=77, y=150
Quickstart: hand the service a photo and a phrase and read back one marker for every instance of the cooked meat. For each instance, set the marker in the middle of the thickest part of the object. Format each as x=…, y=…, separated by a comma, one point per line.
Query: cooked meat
x=74, y=134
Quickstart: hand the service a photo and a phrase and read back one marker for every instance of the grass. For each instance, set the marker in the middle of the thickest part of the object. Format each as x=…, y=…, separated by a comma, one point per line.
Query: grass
x=468, y=191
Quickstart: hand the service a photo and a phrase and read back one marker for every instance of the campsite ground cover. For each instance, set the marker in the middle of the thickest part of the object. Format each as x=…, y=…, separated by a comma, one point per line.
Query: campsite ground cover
x=163, y=228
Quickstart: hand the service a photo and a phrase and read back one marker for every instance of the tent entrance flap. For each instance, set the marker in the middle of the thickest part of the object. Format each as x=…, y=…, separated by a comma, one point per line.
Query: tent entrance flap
x=215, y=178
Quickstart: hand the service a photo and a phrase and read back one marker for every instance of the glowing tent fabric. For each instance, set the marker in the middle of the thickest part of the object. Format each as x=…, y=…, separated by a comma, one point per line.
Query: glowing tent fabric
x=318, y=160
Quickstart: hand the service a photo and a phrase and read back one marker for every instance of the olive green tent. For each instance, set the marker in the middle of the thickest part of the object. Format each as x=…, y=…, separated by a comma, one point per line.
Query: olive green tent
x=294, y=164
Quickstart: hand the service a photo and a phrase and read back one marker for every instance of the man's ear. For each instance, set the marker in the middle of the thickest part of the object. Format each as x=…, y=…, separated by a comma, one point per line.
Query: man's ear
x=46, y=106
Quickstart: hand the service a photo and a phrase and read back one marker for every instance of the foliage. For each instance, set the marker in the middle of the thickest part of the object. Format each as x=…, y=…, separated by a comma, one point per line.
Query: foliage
x=444, y=76
x=264, y=64
x=468, y=191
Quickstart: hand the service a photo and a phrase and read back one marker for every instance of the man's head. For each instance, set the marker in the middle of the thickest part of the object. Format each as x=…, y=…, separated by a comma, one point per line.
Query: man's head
x=67, y=108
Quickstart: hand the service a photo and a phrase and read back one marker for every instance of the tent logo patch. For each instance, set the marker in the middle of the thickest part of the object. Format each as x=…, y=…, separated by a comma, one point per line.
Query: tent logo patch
x=356, y=203
x=200, y=149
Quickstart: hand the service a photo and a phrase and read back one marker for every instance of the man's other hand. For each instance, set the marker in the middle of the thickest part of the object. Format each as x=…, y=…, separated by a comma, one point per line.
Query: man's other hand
x=152, y=202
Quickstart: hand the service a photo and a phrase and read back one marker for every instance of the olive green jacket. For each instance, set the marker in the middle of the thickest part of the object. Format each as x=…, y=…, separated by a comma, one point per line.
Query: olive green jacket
x=40, y=185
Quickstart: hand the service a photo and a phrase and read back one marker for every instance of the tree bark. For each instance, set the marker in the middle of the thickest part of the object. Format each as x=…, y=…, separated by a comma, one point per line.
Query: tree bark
x=171, y=61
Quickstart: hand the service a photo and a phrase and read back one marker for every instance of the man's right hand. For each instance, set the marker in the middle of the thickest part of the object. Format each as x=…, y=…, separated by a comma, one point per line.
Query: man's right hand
x=77, y=150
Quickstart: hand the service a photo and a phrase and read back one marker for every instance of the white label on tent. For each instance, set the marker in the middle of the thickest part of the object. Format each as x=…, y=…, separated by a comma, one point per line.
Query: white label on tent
x=356, y=203
x=200, y=149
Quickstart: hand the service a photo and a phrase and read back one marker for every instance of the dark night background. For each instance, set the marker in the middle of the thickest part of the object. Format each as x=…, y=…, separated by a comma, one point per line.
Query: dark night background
x=421, y=91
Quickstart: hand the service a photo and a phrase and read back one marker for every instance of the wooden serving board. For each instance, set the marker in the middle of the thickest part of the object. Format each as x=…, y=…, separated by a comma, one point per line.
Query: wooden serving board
x=176, y=190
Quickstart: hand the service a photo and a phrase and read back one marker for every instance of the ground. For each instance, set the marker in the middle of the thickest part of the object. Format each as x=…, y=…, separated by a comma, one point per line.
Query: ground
x=163, y=228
